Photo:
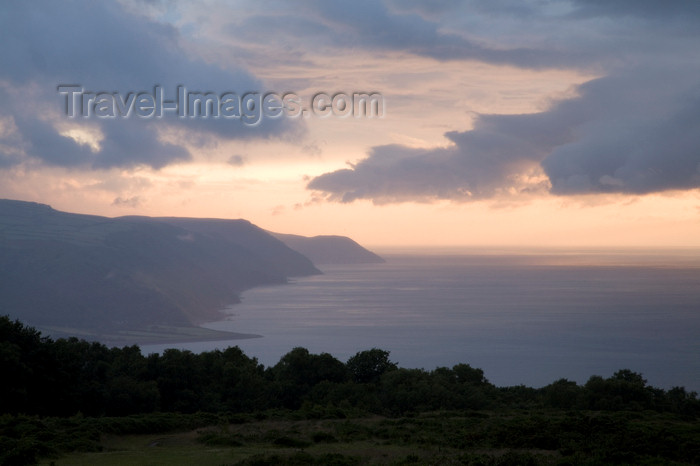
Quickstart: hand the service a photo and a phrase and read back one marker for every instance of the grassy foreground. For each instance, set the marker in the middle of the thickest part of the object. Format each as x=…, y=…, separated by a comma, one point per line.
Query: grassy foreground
x=513, y=437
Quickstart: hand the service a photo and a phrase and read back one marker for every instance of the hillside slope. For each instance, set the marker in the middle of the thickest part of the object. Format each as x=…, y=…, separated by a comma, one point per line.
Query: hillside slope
x=101, y=275
x=329, y=249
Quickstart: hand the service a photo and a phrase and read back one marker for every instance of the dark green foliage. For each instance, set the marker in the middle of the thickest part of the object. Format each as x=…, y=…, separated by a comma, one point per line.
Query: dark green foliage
x=679, y=401
x=368, y=366
x=18, y=452
x=220, y=437
x=323, y=437
x=23, y=439
x=563, y=394
x=300, y=459
x=299, y=371
x=285, y=441
x=93, y=390
x=69, y=376
x=24, y=361
x=624, y=390
x=407, y=390
x=508, y=437
x=510, y=458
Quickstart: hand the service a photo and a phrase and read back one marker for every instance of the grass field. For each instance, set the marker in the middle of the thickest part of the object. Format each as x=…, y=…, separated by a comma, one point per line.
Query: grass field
x=476, y=438
x=374, y=440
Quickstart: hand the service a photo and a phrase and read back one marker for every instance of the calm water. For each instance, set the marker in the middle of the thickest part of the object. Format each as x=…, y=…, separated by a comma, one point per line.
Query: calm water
x=527, y=319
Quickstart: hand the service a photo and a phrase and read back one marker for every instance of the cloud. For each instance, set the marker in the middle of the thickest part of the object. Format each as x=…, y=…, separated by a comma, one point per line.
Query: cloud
x=636, y=132
x=641, y=135
x=104, y=48
x=313, y=149
x=236, y=160
x=123, y=143
x=648, y=9
x=413, y=28
x=132, y=202
x=10, y=141
x=534, y=34
x=481, y=163
x=636, y=129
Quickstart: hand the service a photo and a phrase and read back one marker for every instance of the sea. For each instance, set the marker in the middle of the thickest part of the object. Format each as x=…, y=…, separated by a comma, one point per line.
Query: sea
x=527, y=318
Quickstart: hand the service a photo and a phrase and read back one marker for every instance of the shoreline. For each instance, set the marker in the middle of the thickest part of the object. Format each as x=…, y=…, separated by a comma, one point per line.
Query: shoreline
x=152, y=335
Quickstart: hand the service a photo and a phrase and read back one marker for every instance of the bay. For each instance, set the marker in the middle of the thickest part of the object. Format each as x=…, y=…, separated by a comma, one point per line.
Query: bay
x=522, y=318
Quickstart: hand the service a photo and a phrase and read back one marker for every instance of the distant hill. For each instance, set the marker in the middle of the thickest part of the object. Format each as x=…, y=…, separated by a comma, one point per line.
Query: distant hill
x=329, y=249
x=135, y=278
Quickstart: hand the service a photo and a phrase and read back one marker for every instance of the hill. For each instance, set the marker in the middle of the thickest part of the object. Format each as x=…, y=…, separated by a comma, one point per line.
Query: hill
x=131, y=278
x=329, y=249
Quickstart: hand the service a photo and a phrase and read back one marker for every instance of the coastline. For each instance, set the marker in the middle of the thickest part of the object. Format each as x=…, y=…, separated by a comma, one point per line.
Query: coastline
x=152, y=335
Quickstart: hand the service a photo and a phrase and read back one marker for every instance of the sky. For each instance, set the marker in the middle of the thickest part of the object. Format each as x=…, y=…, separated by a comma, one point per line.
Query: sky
x=537, y=123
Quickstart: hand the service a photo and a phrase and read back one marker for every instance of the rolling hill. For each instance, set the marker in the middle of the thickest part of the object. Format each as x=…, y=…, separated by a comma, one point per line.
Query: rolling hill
x=329, y=249
x=131, y=279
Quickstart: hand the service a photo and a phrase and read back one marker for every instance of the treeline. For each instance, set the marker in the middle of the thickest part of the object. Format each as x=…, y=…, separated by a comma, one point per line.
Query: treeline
x=64, y=377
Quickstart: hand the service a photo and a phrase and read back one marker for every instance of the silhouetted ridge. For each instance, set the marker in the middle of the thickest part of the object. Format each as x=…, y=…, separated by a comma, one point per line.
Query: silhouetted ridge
x=69, y=272
x=329, y=249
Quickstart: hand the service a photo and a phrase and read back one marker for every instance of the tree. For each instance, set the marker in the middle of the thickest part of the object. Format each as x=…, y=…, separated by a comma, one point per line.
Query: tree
x=180, y=381
x=467, y=374
x=368, y=366
x=563, y=394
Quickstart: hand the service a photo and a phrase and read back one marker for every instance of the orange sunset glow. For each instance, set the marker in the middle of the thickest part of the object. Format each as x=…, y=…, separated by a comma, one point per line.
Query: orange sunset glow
x=270, y=174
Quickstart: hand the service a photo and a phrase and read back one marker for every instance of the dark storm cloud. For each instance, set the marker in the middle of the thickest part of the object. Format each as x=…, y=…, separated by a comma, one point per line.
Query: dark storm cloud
x=378, y=26
x=480, y=163
x=125, y=143
x=642, y=136
x=633, y=133
x=103, y=48
x=650, y=9
x=634, y=130
x=581, y=34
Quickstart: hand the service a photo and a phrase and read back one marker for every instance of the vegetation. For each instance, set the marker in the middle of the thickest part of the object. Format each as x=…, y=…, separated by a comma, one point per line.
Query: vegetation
x=70, y=396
